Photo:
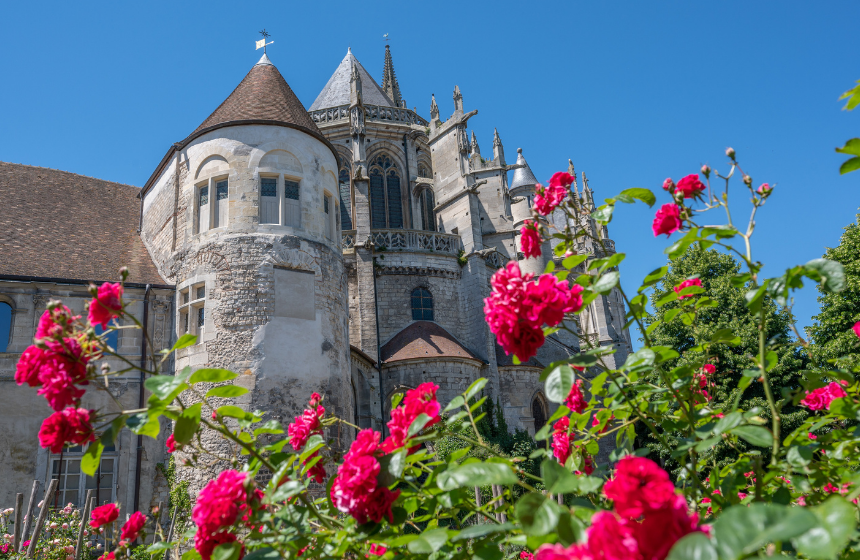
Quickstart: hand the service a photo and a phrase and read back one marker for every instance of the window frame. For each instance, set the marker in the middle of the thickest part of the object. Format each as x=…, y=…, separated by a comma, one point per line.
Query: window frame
x=188, y=309
x=211, y=201
x=10, y=303
x=426, y=219
x=281, y=189
x=420, y=313
x=377, y=164
x=347, y=207
x=75, y=454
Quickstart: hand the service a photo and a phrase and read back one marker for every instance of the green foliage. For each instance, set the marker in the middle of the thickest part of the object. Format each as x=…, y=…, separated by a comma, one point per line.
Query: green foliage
x=179, y=496
x=729, y=313
x=831, y=335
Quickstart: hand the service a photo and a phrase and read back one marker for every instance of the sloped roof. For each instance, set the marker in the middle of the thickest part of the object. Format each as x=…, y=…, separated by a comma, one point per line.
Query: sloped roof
x=424, y=340
x=503, y=360
x=263, y=95
x=55, y=224
x=523, y=176
x=336, y=91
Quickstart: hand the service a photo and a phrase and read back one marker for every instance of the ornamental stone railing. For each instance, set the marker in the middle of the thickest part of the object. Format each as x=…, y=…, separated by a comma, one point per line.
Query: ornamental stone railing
x=496, y=260
x=348, y=239
x=415, y=240
x=377, y=113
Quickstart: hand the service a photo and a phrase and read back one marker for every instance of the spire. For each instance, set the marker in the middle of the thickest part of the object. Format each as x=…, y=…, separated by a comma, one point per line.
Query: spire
x=523, y=176
x=498, y=150
x=434, y=109
x=389, y=80
x=458, y=100
x=476, y=151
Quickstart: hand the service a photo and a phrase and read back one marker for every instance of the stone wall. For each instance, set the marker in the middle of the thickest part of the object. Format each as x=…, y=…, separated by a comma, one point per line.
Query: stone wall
x=452, y=375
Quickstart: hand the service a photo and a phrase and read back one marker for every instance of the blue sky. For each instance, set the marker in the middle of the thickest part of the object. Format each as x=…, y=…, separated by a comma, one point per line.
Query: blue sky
x=633, y=92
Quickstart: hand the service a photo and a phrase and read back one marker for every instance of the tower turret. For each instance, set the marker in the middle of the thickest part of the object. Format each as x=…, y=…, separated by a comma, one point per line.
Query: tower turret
x=389, y=80
x=522, y=192
x=498, y=150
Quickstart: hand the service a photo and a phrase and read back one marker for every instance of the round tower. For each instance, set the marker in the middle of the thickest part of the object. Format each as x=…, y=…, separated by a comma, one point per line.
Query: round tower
x=522, y=192
x=243, y=216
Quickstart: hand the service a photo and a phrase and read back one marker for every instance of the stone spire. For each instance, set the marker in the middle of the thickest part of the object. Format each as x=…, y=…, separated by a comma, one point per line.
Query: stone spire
x=498, y=150
x=389, y=81
x=434, y=109
x=458, y=100
x=355, y=87
x=476, y=151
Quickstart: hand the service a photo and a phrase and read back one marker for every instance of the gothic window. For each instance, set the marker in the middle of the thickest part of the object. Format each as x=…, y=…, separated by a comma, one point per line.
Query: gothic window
x=5, y=325
x=328, y=203
x=345, y=200
x=539, y=413
x=192, y=309
x=427, y=203
x=422, y=305
x=386, y=203
x=202, y=208
x=73, y=483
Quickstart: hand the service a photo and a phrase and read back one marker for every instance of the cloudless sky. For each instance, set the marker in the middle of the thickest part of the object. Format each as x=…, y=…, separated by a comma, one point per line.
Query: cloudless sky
x=632, y=92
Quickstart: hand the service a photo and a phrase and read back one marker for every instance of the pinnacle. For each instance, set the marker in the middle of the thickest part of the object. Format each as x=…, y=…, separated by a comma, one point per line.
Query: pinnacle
x=389, y=79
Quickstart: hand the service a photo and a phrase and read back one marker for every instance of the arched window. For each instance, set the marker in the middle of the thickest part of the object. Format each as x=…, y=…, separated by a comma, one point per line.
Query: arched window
x=5, y=325
x=428, y=217
x=422, y=305
x=539, y=413
x=386, y=201
x=345, y=200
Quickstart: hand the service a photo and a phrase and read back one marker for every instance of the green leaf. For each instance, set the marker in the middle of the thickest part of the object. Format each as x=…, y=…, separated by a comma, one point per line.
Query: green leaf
x=191, y=555
x=263, y=554
x=476, y=474
x=834, y=530
x=418, y=424
x=90, y=460
x=475, y=387
x=230, y=411
x=144, y=425
x=849, y=165
x=270, y=427
x=645, y=195
x=554, y=476
x=603, y=214
x=184, y=341
x=726, y=336
x=227, y=551
x=756, y=435
x=163, y=386
x=695, y=546
x=475, y=531
x=391, y=467
x=159, y=546
x=832, y=273
x=456, y=402
x=286, y=491
x=655, y=276
x=558, y=383
x=187, y=423
x=852, y=147
x=573, y=261
x=799, y=456
x=742, y=530
x=429, y=541
x=211, y=375
x=537, y=514
x=606, y=282
x=226, y=391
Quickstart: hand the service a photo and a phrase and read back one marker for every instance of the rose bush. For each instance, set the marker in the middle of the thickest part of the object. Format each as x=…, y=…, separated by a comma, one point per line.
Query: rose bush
x=397, y=497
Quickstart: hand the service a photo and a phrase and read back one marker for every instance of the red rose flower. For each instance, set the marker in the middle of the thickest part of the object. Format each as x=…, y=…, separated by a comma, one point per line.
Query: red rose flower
x=205, y=544
x=686, y=284
x=709, y=369
x=669, y=185
x=526, y=555
x=72, y=425
x=612, y=539
x=27, y=370
x=305, y=426
x=560, y=552
x=63, y=366
x=575, y=399
x=667, y=220
x=530, y=239
x=131, y=529
x=171, y=444
x=355, y=489
x=106, y=305
x=639, y=486
x=561, y=179
x=856, y=328
x=561, y=440
x=218, y=504
x=548, y=198
x=662, y=528
x=103, y=515
x=421, y=400
x=56, y=323
x=377, y=549
x=821, y=398
x=690, y=186
x=107, y=556
x=315, y=399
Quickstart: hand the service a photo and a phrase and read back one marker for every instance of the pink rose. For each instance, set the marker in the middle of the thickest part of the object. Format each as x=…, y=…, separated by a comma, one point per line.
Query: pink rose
x=669, y=185
x=72, y=425
x=530, y=239
x=106, y=305
x=821, y=398
x=690, y=186
x=131, y=529
x=686, y=284
x=764, y=189
x=103, y=515
x=575, y=399
x=27, y=370
x=856, y=328
x=667, y=220
x=639, y=486
x=709, y=369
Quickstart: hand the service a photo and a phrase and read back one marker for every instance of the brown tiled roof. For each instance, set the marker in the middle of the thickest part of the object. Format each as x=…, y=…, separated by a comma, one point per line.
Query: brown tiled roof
x=503, y=360
x=424, y=340
x=263, y=95
x=55, y=224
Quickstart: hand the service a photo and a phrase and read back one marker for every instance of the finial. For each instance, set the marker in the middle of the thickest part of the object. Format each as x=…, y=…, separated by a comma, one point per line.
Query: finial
x=475, y=149
x=570, y=168
x=349, y=50
x=262, y=44
x=497, y=141
x=519, y=150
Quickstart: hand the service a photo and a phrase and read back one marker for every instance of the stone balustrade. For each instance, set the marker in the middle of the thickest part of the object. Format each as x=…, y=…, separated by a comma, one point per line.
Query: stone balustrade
x=377, y=113
x=406, y=240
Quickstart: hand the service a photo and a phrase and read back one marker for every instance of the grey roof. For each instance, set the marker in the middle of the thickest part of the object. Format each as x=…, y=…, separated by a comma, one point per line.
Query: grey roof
x=523, y=176
x=336, y=91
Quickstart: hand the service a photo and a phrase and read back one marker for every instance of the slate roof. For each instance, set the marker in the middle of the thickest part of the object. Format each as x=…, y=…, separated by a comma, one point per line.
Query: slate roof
x=336, y=91
x=55, y=224
x=262, y=95
x=523, y=176
x=503, y=360
x=424, y=340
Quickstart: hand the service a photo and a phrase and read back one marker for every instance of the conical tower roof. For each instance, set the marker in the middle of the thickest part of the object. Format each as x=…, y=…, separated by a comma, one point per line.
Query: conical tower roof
x=389, y=79
x=263, y=95
x=336, y=91
x=523, y=176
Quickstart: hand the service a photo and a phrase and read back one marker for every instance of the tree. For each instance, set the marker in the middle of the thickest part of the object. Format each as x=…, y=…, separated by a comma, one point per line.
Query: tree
x=716, y=270
x=831, y=334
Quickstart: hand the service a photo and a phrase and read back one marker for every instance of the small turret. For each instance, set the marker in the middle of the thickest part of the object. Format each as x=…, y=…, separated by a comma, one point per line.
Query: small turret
x=458, y=100
x=434, y=109
x=389, y=80
x=498, y=150
x=476, y=151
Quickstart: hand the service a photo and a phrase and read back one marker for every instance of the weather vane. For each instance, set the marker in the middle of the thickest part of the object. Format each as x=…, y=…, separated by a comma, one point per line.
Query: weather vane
x=385, y=37
x=262, y=44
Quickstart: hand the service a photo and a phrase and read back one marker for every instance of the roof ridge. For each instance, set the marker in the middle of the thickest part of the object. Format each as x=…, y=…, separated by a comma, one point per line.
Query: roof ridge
x=69, y=173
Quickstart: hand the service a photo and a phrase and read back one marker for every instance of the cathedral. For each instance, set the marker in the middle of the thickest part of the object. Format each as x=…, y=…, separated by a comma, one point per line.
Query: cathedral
x=345, y=247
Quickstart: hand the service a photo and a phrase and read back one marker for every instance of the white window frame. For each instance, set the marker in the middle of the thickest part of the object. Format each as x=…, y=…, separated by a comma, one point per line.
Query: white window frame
x=189, y=307
x=286, y=208
x=72, y=479
x=213, y=219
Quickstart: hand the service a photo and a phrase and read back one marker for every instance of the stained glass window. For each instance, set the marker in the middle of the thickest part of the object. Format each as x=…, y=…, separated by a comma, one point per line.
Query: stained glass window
x=204, y=195
x=221, y=189
x=377, y=200
x=345, y=201
x=386, y=200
